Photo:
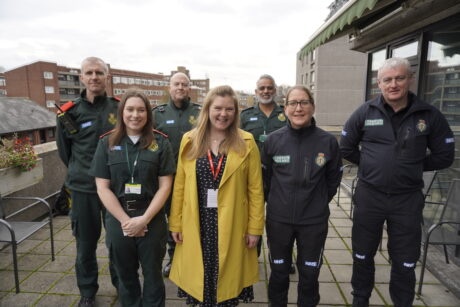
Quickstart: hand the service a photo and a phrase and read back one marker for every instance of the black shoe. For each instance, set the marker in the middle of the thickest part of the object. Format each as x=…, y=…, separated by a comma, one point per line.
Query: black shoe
x=86, y=302
x=292, y=269
x=167, y=270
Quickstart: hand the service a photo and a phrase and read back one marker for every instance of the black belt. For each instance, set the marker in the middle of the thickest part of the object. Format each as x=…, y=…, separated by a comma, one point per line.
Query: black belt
x=137, y=204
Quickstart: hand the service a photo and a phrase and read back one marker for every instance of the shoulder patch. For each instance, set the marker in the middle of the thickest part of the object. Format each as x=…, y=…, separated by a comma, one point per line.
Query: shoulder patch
x=160, y=108
x=160, y=133
x=107, y=133
x=67, y=106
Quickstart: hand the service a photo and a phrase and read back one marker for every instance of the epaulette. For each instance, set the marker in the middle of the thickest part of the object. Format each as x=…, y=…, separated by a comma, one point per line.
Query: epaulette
x=160, y=133
x=67, y=106
x=107, y=133
x=248, y=108
x=116, y=98
x=160, y=108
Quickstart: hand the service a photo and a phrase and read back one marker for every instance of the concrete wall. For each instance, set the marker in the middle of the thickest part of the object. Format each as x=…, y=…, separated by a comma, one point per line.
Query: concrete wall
x=340, y=76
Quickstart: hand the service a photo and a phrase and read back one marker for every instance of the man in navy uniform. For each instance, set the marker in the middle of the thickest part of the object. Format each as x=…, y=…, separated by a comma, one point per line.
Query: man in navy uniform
x=388, y=138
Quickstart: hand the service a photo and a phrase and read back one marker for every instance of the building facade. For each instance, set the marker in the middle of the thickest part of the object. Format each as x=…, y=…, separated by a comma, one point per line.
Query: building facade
x=336, y=76
x=48, y=84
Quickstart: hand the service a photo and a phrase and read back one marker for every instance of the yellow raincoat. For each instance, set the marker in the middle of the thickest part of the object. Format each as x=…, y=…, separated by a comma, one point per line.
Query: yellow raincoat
x=240, y=212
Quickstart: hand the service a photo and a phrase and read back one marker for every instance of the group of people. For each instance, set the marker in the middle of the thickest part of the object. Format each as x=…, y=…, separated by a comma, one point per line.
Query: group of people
x=207, y=171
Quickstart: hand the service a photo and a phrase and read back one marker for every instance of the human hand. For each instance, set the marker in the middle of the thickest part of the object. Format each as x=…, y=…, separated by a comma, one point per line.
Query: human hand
x=251, y=240
x=177, y=237
x=133, y=226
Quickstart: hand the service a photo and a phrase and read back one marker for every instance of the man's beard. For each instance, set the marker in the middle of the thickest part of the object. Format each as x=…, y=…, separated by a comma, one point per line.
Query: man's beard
x=266, y=101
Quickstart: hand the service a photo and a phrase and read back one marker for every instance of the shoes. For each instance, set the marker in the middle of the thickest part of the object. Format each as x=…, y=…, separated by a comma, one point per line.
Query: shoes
x=167, y=270
x=292, y=269
x=86, y=302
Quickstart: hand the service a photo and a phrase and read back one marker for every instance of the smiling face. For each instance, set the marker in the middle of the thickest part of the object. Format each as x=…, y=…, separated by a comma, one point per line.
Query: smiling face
x=265, y=91
x=134, y=115
x=299, y=115
x=94, y=77
x=394, y=84
x=222, y=113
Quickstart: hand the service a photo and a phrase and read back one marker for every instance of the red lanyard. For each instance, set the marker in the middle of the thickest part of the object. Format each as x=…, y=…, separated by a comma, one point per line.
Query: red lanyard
x=211, y=164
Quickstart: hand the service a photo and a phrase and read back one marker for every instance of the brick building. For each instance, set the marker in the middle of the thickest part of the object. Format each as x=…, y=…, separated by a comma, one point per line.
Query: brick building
x=48, y=83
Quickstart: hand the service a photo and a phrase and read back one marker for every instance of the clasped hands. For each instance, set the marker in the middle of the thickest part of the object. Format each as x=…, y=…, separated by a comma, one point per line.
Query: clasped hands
x=134, y=227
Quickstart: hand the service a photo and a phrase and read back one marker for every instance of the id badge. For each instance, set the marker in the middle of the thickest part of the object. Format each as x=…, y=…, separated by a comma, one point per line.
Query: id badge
x=132, y=188
x=212, y=198
x=262, y=138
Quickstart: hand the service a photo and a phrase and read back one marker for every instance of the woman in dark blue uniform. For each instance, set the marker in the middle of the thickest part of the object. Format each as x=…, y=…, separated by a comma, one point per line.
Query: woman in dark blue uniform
x=134, y=166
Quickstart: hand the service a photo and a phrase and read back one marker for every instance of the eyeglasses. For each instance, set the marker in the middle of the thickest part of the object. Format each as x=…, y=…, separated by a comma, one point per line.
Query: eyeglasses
x=263, y=88
x=398, y=79
x=293, y=104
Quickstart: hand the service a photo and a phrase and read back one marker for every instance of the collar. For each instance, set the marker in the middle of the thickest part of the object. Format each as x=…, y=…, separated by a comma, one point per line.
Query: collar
x=415, y=104
x=303, y=130
x=97, y=99
x=185, y=104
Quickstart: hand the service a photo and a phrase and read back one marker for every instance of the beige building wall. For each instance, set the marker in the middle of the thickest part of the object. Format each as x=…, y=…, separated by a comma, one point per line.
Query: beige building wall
x=337, y=78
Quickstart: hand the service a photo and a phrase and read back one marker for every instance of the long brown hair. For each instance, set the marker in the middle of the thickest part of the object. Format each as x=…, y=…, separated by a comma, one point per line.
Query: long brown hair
x=146, y=139
x=200, y=135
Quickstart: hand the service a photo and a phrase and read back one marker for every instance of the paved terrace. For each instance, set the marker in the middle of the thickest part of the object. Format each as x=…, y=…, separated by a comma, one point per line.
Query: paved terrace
x=46, y=283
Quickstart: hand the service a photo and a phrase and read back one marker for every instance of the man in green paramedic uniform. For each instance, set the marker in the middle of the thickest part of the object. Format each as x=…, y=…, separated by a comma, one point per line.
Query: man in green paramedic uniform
x=175, y=118
x=78, y=129
x=265, y=117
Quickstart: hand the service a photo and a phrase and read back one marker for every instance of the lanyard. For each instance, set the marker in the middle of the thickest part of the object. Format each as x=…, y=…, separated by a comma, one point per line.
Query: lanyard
x=211, y=164
x=131, y=171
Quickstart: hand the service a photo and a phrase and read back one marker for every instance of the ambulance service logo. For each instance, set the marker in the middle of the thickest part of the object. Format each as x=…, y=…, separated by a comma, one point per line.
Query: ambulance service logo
x=112, y=119
x=153, y=147
x=192, y=120
x=421, y=126
x=320, y=159
x=281, y=117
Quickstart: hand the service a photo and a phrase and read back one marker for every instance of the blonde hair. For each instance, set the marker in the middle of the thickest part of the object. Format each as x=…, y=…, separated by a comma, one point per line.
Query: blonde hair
x=199, y=136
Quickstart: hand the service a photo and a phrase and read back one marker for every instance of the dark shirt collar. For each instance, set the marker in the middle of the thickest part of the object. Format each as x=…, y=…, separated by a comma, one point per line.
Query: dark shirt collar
x=97, y=99
x=303, y=130
x=185, y=104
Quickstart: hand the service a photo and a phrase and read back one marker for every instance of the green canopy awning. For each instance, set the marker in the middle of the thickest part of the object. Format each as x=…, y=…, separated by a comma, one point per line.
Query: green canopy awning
x=338, y=22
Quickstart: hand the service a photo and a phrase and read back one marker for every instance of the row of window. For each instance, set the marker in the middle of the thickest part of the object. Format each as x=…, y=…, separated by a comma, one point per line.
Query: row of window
x=118, y=91
x=138, y=81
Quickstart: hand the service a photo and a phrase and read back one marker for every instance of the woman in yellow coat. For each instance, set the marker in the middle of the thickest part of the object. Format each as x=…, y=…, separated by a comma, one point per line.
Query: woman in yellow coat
x=217, y=211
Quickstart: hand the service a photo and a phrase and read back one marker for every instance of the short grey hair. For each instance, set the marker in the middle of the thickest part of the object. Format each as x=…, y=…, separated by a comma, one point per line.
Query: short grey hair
x=394, y=63
x=95, y=60
x=266, y=76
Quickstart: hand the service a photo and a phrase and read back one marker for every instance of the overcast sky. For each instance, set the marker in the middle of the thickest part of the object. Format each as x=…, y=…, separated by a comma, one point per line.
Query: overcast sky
x=230, y=41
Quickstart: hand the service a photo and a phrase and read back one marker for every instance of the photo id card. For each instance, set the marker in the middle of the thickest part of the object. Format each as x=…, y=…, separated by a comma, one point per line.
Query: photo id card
x=132, y=188
x=212, y=198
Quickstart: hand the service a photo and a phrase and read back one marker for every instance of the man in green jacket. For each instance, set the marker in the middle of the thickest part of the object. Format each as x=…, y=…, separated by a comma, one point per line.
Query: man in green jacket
x=175, y=118
x=78, y=129
x=263, y=118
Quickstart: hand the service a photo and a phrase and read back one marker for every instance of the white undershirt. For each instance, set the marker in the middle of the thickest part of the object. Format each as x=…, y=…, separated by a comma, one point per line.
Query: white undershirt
x=134, y=138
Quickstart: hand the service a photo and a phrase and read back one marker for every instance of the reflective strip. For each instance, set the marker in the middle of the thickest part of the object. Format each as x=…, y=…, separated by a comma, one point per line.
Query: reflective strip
x=360, y=256
x=344, y=133
x=278, y=261
x=409, y=264
x=449, y=140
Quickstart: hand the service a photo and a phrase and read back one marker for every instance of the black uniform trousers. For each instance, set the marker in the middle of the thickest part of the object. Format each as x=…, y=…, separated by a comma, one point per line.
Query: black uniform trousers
x=86, y=220
x=127, y=252
x=403, y=215
x=310, y=241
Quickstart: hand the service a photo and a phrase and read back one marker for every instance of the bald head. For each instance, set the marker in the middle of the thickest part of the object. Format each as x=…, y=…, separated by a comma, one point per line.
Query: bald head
x=179, y=88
